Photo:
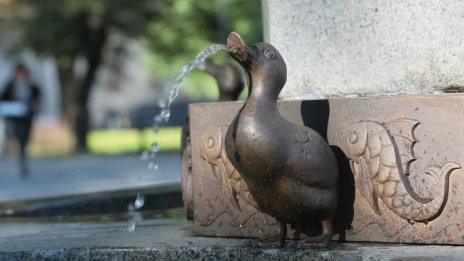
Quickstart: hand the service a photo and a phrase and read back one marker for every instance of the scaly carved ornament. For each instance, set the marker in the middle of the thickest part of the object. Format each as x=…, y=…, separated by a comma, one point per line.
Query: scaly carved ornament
x=380, y=156
x=229, y=180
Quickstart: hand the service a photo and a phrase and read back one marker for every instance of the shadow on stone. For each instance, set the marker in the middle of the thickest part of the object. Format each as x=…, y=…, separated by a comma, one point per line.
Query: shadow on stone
x=315, y=114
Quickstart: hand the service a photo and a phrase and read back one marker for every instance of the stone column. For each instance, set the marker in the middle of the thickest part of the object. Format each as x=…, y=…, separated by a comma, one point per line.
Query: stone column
x=364, y=47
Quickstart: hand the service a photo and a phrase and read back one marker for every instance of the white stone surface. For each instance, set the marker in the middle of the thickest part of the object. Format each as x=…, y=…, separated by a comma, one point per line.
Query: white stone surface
x=344, y=47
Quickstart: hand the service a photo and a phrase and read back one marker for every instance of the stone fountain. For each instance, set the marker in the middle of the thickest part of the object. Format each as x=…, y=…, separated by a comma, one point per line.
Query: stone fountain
x=374, y=80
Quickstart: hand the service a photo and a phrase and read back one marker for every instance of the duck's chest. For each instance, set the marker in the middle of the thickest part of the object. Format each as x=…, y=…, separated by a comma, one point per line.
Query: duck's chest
x=259, y=141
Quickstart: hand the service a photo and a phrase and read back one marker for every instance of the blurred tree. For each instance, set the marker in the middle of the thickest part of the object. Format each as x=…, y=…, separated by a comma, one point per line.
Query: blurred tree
x=186, y=27
x=74, y=30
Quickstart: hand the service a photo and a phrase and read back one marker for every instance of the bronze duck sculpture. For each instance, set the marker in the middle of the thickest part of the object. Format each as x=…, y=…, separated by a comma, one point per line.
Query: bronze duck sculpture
x=289, y=169
x=228, y=79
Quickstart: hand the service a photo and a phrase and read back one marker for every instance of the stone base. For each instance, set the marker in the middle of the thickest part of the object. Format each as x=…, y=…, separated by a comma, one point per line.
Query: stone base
x=162, y=239
x=399, y=160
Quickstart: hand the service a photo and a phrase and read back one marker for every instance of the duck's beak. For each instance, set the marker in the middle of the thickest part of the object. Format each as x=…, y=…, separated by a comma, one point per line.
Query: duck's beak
x=239, y=50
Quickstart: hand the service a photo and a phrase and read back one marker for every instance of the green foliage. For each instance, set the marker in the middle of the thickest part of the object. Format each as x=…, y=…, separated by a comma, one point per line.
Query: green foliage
x=114, y=141
x=64, y=29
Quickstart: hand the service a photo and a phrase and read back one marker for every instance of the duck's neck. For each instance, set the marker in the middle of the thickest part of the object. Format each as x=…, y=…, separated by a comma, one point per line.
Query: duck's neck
x=262, y=99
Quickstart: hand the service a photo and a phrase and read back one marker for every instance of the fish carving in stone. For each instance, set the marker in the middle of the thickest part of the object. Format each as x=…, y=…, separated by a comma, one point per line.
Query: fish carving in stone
x=380, y=155
x=211, y=146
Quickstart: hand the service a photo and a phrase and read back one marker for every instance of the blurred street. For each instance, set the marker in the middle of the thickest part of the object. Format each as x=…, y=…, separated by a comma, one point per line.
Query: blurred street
x=84, y=174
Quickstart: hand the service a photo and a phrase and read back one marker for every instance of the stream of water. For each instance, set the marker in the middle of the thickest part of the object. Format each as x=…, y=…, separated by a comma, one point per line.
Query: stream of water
x=162, y=117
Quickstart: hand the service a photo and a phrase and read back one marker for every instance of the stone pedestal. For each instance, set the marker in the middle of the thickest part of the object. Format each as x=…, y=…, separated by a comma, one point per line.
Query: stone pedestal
x=400, y=156
x=399, y=159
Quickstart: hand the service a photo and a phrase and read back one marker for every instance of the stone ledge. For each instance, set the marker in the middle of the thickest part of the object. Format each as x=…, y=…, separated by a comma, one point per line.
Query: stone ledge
x=169, y=239
x=340, y=251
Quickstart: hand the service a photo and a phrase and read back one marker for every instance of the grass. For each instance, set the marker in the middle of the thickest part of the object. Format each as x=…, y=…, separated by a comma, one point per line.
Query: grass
x=115, y=141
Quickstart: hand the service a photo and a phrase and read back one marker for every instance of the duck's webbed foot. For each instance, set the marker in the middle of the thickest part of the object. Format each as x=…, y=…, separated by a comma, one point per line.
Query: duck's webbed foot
x=322, y=240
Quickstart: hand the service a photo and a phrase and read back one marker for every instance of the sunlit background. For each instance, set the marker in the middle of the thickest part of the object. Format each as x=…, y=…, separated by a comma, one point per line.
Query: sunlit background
x=103, y=68
x=108, y=62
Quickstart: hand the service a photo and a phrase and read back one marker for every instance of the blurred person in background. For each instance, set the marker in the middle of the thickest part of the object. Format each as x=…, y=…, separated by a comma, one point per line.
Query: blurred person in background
x=23, y=96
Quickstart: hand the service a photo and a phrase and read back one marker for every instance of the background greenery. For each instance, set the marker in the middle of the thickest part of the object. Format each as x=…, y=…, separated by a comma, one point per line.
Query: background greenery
x=174, y=31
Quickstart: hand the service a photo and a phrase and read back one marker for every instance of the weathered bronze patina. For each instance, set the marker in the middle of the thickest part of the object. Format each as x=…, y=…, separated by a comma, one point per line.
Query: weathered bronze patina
x=289, y=169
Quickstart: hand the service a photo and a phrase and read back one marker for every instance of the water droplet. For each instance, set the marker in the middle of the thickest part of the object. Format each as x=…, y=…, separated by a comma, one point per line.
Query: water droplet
x=155, y=147
x=152, y=165
x=130, y=207
x=165, y=114
x=158, y=119
x=144, y=156
x=152, y=156
x=161, y=103
x=139, y=201
x=131, y=226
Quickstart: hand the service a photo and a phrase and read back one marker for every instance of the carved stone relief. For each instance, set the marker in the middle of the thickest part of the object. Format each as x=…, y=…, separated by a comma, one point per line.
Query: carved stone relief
x=239, y=205
x=386, y=194
x=229, y=180
x=380, y=155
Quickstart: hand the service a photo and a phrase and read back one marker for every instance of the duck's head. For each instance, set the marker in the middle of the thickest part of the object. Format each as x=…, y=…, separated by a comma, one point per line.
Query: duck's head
x=261, y=61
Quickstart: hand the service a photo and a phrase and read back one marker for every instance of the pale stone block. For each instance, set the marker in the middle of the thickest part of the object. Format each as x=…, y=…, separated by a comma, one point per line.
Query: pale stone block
x=340, y=47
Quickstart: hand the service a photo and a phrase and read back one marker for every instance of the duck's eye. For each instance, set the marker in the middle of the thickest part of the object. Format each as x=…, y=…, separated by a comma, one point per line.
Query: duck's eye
x=269, y=54
x=353, y=137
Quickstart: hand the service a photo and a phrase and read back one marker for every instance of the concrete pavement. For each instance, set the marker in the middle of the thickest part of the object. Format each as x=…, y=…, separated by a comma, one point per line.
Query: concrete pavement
x=84, y=174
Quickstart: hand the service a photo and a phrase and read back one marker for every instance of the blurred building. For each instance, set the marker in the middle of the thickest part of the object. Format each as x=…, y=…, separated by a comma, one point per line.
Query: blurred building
x=123, y=84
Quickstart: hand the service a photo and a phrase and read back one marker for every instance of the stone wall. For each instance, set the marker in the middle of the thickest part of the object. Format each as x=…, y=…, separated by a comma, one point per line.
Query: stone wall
x=339, y=47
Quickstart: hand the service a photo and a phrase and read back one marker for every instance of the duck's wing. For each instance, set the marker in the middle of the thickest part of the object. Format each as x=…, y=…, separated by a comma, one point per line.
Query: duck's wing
x=310, y=152
x=309, y=143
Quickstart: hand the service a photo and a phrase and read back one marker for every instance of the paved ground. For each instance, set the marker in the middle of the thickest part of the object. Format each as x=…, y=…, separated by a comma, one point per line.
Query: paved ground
x=82, y=174
x=171, y=239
